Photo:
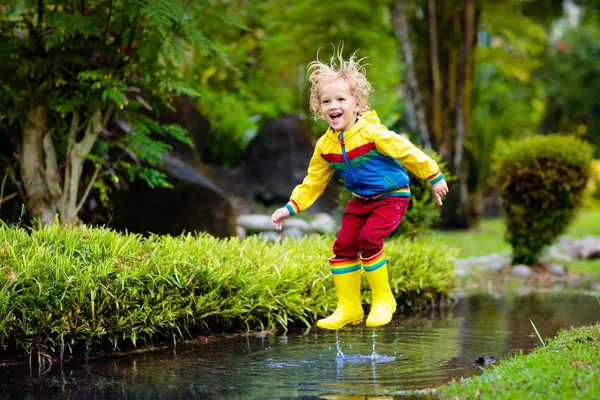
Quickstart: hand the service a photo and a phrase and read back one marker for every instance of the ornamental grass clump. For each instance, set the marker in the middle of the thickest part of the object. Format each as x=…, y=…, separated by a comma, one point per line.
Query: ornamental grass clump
x=541, y=179
x=77, y=290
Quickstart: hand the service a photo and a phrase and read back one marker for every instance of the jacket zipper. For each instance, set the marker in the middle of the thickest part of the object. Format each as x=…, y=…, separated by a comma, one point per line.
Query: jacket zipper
x=341, y=138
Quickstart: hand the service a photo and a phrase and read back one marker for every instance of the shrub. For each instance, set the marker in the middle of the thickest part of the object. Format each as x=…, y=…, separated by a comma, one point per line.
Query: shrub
x=592, y=189
x=541, y=179
x=91, y=288
x=423, y=211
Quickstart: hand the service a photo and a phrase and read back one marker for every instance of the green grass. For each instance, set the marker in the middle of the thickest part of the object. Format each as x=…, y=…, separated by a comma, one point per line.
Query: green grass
x=483, y=240
x=568, y=367
x=488, y=238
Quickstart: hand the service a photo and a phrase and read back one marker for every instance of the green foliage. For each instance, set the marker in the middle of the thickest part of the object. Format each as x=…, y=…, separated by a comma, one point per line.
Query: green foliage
x=541, y=179
x=508, y=98
x=572, y=76
x=567, y=368
x=126, y=58
x=423, y=211
x=269, y=45
x=68, y=288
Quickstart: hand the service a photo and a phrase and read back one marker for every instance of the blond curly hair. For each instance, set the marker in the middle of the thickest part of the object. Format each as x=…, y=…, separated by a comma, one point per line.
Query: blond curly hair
x=351, y=70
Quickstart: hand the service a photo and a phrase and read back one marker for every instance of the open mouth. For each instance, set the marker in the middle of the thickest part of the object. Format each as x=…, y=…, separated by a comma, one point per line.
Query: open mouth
x=335, y=116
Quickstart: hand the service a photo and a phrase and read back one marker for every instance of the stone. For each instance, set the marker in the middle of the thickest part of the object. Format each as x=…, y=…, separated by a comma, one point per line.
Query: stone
x=292, y=232
x=194, y=204
x=556, y=269
x=460, y=272
x=271, y=236
x=555, y=253
x=522, y=271
x=241, y=232
x=297, y=223
x=323, y=223
x=276, y=160
x=495, y=265
x=255, y=222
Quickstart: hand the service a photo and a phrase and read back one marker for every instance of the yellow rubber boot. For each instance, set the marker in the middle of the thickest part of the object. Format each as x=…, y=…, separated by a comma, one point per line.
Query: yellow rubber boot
x=346, y=277
x=383, y=303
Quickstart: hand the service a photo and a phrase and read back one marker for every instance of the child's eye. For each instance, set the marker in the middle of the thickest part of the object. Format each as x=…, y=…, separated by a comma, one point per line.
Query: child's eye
x=325, y=101
x=341, y=99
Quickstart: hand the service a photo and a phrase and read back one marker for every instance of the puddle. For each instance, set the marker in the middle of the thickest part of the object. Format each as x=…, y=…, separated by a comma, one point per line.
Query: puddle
x=412, y=352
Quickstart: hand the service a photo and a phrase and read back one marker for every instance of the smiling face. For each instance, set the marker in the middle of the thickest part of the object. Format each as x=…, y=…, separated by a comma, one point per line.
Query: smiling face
x=338, y=106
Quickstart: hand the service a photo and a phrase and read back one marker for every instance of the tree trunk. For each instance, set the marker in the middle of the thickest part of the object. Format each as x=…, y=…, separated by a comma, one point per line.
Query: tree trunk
x=435, y=73
x=401, y=30
x=32, y=166
x=71, y=205
x=445, y=62
x=46, y=196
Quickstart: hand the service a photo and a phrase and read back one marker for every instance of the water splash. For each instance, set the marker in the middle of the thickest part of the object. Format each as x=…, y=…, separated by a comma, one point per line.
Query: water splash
x=374, y=352
x=340, y=353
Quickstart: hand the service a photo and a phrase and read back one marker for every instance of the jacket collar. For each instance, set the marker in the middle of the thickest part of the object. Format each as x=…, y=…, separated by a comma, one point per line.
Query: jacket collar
x=368, y=117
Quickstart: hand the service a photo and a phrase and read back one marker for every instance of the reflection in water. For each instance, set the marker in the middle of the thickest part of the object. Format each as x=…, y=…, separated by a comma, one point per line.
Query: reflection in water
x=412, y=352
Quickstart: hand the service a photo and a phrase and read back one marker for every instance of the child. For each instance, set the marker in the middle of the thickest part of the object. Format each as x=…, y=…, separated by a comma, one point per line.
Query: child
x=371, y=159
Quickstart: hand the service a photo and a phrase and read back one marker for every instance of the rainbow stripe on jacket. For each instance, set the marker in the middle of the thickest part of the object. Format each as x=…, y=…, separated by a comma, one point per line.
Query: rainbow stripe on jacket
x=369, y=158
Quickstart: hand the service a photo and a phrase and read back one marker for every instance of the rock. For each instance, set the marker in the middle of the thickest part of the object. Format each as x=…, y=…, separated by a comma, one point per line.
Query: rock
x=194, y=204
x=460, y=272
x=292, y=232
x=486, y=360
x=554, y=253
x=185, y=113
x=255, y=222
x=589, y=246
x=270, y=236
x=241, y=232
x=556, y=269
x=297, y=223
x=522, y=271
x=275, y=162
x=462, y=263
x=496, y=265
x=323, y=223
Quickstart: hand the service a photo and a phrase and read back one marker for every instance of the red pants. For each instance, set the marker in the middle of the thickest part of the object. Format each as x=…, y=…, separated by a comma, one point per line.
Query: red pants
x=366, y=223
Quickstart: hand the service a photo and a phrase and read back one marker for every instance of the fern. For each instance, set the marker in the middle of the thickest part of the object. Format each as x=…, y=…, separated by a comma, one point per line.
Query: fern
x=122, y=56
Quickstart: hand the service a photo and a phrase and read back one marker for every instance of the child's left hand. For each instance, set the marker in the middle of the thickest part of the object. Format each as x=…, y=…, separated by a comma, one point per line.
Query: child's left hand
x=439, y=190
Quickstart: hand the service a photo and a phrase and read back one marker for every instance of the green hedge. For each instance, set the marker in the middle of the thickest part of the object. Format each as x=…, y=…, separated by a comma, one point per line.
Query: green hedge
x=65, y=287
x=541, y=179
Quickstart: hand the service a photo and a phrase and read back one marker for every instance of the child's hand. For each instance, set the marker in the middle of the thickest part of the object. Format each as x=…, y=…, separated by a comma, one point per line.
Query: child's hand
x=439, y=190
x=279, y=216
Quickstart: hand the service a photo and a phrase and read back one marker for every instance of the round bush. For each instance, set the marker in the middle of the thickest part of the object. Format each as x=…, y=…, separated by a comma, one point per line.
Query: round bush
x=541, y=179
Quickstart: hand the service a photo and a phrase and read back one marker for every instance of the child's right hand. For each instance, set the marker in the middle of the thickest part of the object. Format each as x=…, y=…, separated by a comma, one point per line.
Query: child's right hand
x=279, y=216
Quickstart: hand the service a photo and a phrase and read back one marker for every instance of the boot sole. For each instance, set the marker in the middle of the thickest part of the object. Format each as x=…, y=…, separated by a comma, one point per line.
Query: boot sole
x=371, y=324
x=336, y=327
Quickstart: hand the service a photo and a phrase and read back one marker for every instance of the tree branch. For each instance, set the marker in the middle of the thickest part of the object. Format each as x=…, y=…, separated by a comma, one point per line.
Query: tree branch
x=88, y=189
x=77, y=155
x=51, y=174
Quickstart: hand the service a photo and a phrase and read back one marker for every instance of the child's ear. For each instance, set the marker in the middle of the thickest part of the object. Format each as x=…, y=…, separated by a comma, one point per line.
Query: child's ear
x=358, y=107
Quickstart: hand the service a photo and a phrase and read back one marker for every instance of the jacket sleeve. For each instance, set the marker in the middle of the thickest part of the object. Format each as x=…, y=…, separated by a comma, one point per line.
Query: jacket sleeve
x=416, y=161
x=313, y=185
